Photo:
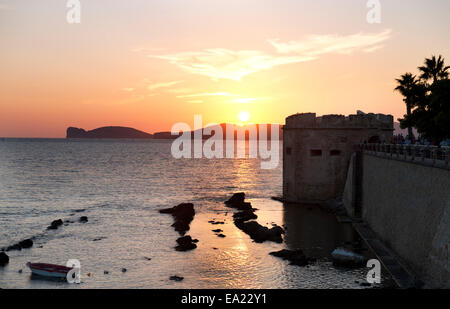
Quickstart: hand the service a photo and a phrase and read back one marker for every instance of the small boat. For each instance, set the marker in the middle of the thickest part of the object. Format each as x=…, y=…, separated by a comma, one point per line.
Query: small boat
x=49, y=270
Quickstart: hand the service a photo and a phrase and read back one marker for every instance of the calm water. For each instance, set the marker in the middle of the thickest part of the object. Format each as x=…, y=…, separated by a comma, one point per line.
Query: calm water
x=120, y=185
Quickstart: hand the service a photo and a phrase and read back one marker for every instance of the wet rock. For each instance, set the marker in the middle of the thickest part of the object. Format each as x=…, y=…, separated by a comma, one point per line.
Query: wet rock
x=216, y=222
x=55, y=224
x=183, y=215
x=295, y=257
x=83, y=219
x=4, y=259
x=237, y=198
x=217, y=231
x=245, y=215
x=185, y=243
x=14, y=247
x=365, y=284
x=237, y=202
x=260, y=233
x=80, y=210
x=343, y=257
x=176, y=278
x=25, y=244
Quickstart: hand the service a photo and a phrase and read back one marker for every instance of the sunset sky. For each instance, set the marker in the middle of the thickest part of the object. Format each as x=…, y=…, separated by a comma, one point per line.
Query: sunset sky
x=149, y=64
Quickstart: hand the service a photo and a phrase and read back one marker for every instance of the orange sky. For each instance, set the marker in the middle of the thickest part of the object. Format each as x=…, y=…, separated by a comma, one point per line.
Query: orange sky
x=150, y=64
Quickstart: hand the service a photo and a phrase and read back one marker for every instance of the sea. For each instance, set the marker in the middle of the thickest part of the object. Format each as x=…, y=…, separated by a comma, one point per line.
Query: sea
x=120, y=185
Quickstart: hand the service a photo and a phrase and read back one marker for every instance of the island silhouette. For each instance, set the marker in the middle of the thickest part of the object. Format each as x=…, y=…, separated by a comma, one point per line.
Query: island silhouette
x=119, y=132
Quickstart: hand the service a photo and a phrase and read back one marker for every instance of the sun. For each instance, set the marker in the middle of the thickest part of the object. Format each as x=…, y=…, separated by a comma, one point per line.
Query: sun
x=244, y=116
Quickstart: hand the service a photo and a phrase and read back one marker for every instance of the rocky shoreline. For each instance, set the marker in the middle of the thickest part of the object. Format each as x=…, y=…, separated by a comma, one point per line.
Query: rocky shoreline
x=243, y=220
x=183, y=215
x=29, y=242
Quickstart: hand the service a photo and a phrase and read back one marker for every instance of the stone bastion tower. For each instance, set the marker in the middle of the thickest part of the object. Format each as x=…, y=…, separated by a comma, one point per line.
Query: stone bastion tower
x=317, y=151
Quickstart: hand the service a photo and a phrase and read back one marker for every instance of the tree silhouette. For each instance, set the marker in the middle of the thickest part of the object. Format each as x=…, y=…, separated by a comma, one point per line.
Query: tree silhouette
x=407, y=86
x=434, y=68
x=427, y=105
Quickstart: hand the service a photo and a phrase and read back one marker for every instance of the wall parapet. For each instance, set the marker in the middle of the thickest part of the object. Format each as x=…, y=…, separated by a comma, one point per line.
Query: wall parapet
x=424, y=155
x=358, y=121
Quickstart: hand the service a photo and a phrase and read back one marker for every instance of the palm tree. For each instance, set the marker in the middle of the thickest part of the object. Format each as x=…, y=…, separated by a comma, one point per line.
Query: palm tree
x=434, y=69
x=406, y=86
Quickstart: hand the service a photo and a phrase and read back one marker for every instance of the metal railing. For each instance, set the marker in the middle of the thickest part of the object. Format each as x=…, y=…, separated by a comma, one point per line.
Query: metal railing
x=429, y=155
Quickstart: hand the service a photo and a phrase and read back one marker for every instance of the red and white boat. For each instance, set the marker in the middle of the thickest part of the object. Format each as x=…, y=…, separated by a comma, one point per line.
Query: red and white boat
x=49, y=270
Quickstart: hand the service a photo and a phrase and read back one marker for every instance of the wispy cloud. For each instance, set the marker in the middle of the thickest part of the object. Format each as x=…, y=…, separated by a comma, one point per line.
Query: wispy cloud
x=315, y=45
x=222, y=63
x=155, y=86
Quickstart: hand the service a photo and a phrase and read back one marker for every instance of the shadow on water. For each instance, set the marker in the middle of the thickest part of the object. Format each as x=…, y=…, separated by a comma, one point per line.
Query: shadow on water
x=314, y=231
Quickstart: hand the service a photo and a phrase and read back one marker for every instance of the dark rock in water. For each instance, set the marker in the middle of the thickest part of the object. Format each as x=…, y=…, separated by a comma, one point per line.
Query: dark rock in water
x=124, y=270
x=27, y=243
x=55, y=224
x=183, y=215
x=181, y=226
x=221, y=235
x=365, y=284
x=217, y=231
x=14, y=247
x=245, y=215
x=195, y=240
x=185, y=243
x=80, y=210
x=4, y=259
x=260, y=233
x=24, y=244
x=216, y=222
x=83, y=219
x=237, y=198
x=176, y=278
x=237, y=202
x=296, y=257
